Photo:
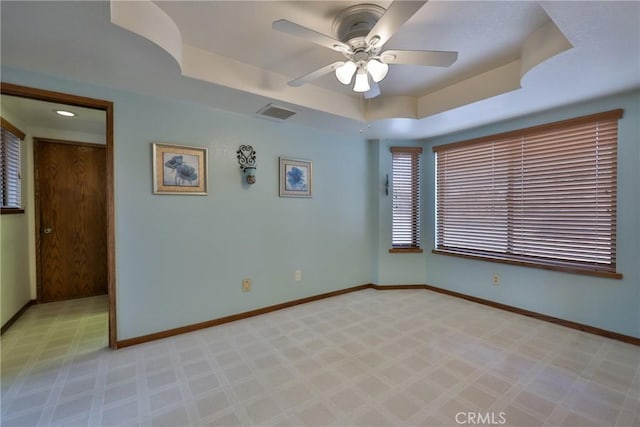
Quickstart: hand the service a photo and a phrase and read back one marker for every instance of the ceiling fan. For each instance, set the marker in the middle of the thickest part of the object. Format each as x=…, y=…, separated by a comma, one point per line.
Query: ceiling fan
x=361, y=32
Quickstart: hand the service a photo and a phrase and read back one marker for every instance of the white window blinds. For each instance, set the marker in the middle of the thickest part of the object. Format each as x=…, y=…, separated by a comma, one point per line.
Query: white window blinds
x=545, y=194
x=406, y=197
x=10, y=185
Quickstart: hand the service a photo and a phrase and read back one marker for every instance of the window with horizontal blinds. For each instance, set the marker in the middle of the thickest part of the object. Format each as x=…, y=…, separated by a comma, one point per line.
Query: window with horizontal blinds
x=10, y=185
x=405, y=197
x=542, y=195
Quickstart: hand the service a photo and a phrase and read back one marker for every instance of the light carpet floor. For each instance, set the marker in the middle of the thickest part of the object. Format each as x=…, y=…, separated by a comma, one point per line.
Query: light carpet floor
x=369, y=358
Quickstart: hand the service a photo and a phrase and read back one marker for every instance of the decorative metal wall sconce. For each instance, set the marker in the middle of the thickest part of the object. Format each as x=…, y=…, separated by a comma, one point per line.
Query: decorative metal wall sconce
x=247, y=160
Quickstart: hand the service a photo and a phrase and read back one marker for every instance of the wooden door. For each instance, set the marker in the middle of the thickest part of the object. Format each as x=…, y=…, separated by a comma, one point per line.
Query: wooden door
x=72, y=220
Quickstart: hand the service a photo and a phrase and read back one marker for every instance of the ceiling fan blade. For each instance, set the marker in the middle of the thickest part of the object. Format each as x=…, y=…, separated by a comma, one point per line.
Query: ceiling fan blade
x=315, y=74
x=373, y=91
x=431, y=58
x=397, y=14
x=308, y=34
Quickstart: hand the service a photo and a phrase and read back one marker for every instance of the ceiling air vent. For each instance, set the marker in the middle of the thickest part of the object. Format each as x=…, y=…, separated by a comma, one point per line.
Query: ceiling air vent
x=274, y=112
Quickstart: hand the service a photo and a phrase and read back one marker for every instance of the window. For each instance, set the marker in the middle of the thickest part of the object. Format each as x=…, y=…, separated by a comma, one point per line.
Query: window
x=543, y=196
x=10, y=185
x=406, y=199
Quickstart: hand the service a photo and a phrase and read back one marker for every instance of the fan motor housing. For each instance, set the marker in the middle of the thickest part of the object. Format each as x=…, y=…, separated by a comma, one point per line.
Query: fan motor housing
x=353, y=24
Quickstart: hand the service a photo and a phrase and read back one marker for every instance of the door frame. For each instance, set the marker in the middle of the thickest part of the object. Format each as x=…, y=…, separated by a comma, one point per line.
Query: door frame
x=37, y=206
x=107, y=107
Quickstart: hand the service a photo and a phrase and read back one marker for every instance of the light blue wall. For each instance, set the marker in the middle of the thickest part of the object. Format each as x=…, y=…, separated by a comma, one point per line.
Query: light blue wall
x=181, y=259
x=191, y=253
x=609, y=304
x=393, y=268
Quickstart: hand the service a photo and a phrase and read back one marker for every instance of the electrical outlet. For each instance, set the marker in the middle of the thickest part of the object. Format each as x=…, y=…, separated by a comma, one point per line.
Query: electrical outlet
x=496, y=279
x=298, y=275
x=246, y=285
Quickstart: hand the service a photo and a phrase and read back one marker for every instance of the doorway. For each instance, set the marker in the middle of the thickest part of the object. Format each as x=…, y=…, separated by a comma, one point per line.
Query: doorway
x=107, y=183
x=71, y=220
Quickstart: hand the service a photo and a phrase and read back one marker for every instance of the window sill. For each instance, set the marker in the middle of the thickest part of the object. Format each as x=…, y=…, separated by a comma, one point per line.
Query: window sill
x=532, y=264
x=9, y=211
x=405, y=251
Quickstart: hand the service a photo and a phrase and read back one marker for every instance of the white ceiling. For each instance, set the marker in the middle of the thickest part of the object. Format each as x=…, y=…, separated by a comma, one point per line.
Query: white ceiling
x=41, y=114
x=515, y=57
x=471, y=29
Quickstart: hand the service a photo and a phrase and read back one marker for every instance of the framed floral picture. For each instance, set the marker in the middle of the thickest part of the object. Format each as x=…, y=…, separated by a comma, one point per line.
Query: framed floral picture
x=179, y=170
x=295, y=177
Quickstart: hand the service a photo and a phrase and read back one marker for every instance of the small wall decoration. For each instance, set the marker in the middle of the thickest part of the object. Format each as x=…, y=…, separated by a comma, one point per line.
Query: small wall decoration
x=247, y=159
x=295, y=177
x=179, y=170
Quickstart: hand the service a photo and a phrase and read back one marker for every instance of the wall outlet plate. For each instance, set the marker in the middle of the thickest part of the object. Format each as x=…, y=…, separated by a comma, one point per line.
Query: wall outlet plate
x=496, y=279
x=298, y=275
x=246, y=285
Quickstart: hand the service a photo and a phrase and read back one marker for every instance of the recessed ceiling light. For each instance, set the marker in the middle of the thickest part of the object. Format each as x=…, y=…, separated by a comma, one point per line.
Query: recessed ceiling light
x=65, y=113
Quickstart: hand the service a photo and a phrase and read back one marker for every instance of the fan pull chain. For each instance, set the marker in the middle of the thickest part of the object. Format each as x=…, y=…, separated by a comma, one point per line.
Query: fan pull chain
x=365, y=107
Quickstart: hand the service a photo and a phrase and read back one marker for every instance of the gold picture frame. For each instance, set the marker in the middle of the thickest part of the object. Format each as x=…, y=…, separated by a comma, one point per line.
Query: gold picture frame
x=179, y=169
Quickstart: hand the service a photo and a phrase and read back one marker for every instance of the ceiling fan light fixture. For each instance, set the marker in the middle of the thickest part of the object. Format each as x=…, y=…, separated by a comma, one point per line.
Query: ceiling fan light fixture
x=377, y=69
x=345, y=72
x=362, y=81
x=360, y=32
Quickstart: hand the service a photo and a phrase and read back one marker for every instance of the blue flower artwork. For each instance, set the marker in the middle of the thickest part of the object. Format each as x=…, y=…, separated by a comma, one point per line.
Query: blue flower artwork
x=296, y=178
x=179, y=171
